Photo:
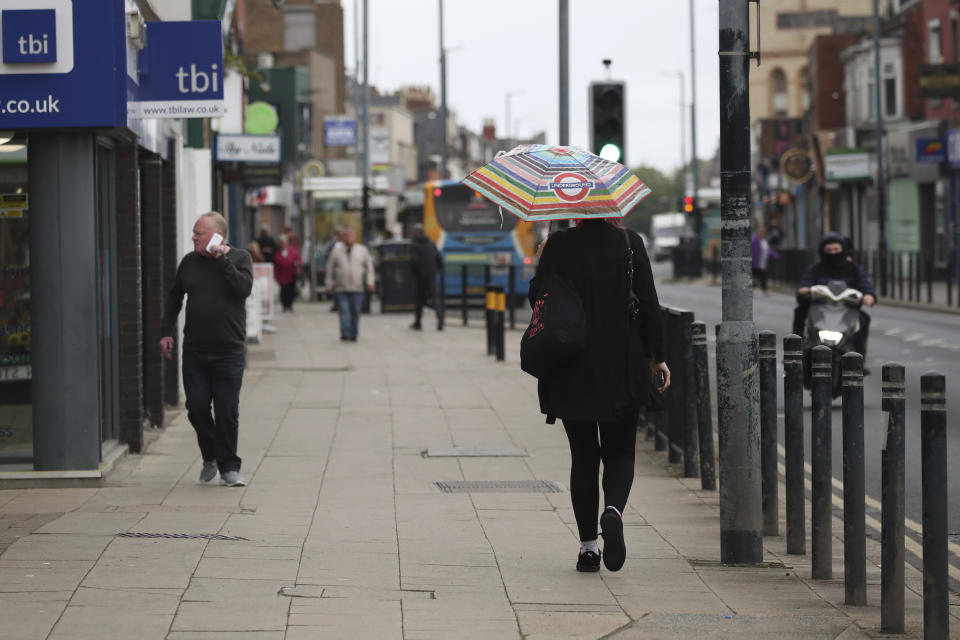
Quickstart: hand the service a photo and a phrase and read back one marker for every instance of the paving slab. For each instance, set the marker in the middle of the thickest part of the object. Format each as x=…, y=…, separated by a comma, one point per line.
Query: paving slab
x=346, y=535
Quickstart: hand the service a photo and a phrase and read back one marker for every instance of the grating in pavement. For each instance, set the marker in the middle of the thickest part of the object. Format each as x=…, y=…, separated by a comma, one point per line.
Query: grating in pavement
x=181, y=536
x=466, y=452
x=499, y=486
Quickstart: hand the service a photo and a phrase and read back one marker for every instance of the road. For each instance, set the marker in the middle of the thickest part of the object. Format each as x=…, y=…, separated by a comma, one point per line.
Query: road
x=920, y=340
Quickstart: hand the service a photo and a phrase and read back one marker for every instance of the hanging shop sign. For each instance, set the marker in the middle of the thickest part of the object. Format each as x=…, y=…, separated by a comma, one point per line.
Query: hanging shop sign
x=62, y=64
x=339, y=131
x=379, y=148
x=953, y=148
x=252, y=175
x=939, y=80
x=181, y=71
x=931, y=150
x=796, y=165
x=849, y=166
x=239, y=148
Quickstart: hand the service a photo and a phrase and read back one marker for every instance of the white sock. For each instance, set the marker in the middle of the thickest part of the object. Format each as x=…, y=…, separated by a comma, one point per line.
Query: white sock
x=615, y=509
x=589, y=545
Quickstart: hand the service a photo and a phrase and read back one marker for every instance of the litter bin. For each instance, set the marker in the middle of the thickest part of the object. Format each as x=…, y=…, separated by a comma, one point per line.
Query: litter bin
x=686, y=258
x=397, y=291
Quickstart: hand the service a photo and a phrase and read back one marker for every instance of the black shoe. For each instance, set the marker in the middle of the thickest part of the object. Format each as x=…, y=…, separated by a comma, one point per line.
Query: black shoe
x=588, y=562
x=614, y=550
x=353, y=339
x=416, y=326
x=866, y=371
x=439, y=325
x=344, y=339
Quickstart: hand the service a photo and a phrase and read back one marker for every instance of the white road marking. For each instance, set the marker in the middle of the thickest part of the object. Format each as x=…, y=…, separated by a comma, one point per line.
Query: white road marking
x=893, y=332
x=915, y=337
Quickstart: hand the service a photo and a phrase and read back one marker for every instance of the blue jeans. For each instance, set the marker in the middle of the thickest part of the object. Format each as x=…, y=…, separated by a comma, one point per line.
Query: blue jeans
x=214, y=377
x=350, y=304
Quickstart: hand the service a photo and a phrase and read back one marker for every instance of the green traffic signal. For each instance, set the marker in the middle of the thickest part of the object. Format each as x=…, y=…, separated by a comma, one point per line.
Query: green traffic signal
x=607, y=120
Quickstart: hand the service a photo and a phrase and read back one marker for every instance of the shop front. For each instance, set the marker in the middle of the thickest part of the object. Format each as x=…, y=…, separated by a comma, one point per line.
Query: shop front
x=88, y=230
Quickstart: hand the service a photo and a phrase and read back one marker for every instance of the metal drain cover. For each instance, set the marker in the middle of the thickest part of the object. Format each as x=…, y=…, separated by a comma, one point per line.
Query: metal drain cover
x=181, y=536
x=466, y=452
x=499, y=486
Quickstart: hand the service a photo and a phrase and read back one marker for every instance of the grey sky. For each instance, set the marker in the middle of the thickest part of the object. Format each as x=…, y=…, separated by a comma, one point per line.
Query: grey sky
x=500, y=46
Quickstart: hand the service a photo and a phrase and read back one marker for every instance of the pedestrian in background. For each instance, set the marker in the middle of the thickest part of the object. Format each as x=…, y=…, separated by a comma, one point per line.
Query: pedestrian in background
x=762, y=253
x=349, y=272
x=253, y=248
x=426, y=262
x=267, y=244
x=600, y=392
x=216, y=278
x=287, y=269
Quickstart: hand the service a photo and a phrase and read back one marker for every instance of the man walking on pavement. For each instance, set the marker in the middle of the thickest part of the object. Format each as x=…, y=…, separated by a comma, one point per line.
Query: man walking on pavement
x=217, y=279
x=349, y=272
x=426, y=262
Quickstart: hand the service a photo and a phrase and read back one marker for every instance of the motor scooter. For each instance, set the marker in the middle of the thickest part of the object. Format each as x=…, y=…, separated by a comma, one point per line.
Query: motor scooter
x=833, y=321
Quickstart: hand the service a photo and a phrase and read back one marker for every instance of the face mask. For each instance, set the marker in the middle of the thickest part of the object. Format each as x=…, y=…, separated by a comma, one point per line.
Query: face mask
x=833, y=259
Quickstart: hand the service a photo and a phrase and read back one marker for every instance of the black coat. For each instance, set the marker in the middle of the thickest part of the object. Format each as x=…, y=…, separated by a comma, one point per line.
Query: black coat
x=609, y=381
x=425, y=259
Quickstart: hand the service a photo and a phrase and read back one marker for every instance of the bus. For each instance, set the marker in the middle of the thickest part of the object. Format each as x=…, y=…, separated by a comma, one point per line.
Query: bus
x=469, y=229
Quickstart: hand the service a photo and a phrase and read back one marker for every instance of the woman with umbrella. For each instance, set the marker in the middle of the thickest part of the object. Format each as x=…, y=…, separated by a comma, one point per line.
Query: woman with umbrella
x=596, y=394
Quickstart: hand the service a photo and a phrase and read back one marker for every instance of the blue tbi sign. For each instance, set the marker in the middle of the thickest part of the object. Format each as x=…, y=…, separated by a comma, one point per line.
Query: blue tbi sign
x=181, y=71
x=339, y=132
x=62, y=64
x=29, y=36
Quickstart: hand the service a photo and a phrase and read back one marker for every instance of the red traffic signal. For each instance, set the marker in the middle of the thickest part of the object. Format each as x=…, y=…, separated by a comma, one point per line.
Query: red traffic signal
x=688, y=204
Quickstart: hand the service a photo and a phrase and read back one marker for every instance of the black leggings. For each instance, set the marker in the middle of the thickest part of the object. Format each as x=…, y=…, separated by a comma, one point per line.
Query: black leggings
x=616, y=449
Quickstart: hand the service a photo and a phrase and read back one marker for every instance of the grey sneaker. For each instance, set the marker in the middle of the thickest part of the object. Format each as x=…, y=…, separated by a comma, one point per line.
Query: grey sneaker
x=209, y=471
x=232, y=479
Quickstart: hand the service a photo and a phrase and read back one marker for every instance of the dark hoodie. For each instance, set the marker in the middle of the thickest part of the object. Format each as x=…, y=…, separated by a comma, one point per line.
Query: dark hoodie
x=836, y=267
x=424, y=258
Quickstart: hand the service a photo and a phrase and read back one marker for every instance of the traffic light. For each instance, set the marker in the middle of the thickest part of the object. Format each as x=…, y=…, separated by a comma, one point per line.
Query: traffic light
x=688, y=204
x=608, y=131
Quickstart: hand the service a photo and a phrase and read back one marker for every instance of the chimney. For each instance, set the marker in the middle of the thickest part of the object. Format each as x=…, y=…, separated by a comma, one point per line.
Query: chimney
x=490, y=129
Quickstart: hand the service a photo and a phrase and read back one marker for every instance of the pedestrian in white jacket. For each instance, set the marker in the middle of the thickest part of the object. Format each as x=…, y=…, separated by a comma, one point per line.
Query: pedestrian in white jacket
x=349, y=273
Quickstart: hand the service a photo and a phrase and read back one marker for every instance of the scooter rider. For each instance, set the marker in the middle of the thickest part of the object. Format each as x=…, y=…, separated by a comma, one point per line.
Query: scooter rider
x=835, y=264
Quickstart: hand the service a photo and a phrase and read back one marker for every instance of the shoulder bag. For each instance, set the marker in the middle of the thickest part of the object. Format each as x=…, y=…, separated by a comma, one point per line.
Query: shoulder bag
x=557, y=332
x=651, y=397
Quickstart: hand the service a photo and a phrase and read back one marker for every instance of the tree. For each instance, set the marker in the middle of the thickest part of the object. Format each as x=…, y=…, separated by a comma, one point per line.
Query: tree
x=667, y=190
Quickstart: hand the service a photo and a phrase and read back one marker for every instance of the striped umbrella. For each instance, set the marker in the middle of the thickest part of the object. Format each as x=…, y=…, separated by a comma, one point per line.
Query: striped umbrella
x=539, y=182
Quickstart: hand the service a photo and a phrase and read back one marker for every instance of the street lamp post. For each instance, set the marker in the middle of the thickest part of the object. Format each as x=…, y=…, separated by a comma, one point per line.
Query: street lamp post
x=683, y=121
x=506, y=122
x=738, y=389
x=564, y=14
x=881, y=178
x=443, y=101
x=365, y=211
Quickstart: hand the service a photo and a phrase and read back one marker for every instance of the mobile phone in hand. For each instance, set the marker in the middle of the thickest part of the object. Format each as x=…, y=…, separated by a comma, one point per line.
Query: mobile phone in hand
x=658, y=380
x=215, y=241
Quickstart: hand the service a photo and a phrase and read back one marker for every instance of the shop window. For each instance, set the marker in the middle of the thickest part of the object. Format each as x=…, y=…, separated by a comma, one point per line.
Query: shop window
x=934, y=42
x=16, y=411
x=778, y=82
x=299, y=28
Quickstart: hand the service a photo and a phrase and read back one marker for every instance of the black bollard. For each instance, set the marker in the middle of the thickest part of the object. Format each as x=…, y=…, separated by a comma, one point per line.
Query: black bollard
x=821, y=459
x=660, y=432
x=674, y=395
x=933, y=444
x=500, y=324
x=512, y=297
x=688, y=401
x=490, y=299
x=708, y=472
x=892, y=496
x=768, y=433
x=463, y=293
x=854, y=487
x=793, y=443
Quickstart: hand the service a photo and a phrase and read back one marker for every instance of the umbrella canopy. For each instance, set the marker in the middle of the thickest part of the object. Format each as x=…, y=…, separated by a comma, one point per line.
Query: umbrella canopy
x=539, y=182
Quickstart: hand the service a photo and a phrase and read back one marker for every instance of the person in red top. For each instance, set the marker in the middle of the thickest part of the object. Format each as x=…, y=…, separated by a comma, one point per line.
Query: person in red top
x=286, y=271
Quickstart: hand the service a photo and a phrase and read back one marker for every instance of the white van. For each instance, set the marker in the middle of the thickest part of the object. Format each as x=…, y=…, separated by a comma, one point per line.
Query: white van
x=667, y=229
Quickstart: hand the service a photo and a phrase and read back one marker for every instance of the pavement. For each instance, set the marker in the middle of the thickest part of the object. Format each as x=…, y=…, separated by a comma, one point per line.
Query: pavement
x=342, y=531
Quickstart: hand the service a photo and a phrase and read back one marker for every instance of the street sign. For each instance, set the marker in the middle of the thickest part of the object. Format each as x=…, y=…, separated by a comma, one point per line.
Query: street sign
x=939, y=80
x=181, y=71
x=953, y=148
x=849, y=166
x=238, y=148
x=931, y=150
x=339, y=131
x=62, y=64
x=379, y=148
x=796, y=165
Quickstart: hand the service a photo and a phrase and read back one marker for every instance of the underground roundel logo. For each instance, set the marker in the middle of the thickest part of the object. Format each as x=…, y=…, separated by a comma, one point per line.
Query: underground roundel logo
x=571, y=187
